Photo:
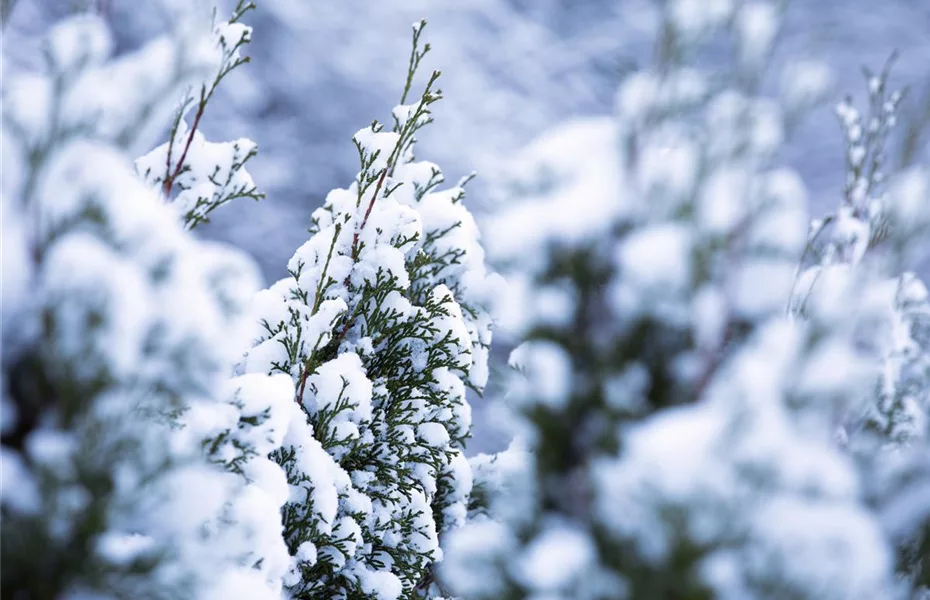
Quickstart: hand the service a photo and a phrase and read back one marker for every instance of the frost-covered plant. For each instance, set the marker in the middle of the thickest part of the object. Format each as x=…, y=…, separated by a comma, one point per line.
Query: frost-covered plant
x=132, y=466
x=382, y=326
x=679, y=426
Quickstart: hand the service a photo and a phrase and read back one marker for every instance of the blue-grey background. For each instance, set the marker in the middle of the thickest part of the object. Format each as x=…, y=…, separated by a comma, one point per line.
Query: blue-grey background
x=322, y=69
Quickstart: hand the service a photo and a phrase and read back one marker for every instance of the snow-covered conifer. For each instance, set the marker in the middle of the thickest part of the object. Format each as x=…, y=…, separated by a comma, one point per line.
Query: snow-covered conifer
x=878, y=228
x=382, y=326
x=878, y=232
x=132, y=466
x=678, y=421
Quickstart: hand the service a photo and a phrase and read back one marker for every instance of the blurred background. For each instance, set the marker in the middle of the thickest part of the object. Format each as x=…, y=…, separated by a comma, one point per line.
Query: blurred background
x=322, y=69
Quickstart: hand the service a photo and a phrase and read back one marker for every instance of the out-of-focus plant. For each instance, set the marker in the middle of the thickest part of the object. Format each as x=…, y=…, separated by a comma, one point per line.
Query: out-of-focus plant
x=132, y=466
x=680, y=432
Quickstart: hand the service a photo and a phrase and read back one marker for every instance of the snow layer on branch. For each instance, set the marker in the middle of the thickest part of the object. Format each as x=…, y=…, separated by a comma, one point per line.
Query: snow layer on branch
x=565, y=172
x=212, y=173
x=686, y=473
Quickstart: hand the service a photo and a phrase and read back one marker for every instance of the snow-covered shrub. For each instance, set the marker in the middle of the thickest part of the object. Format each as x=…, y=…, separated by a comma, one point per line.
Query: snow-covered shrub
x=679, y=405
x=880, y=229
x=133, y=467
x=382, y=327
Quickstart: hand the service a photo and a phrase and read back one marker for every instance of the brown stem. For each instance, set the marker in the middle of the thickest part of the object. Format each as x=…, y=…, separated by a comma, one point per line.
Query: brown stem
x=345, y=328
x=348, y=323
x=303, y=385
x=371, y=204
x=169, y=181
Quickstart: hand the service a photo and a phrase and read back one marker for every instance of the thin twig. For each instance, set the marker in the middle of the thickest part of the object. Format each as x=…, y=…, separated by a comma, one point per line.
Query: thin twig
x=371, y=205
x=303, y=385
x=169, y=181
x=404, y=139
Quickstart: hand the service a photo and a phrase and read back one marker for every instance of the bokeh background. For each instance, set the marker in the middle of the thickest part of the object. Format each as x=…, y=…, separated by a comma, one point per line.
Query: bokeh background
x=322, y=69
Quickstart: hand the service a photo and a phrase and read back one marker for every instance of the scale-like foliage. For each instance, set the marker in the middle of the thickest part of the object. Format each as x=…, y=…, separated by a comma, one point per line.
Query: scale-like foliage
x=382, y=326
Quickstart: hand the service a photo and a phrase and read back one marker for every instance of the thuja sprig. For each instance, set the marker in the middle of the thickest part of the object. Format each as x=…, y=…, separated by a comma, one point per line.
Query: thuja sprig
x=230, y=60
x=865, y=142
x=199, y=213
x=865, y=157
x=416, y=56
x=420, y=116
